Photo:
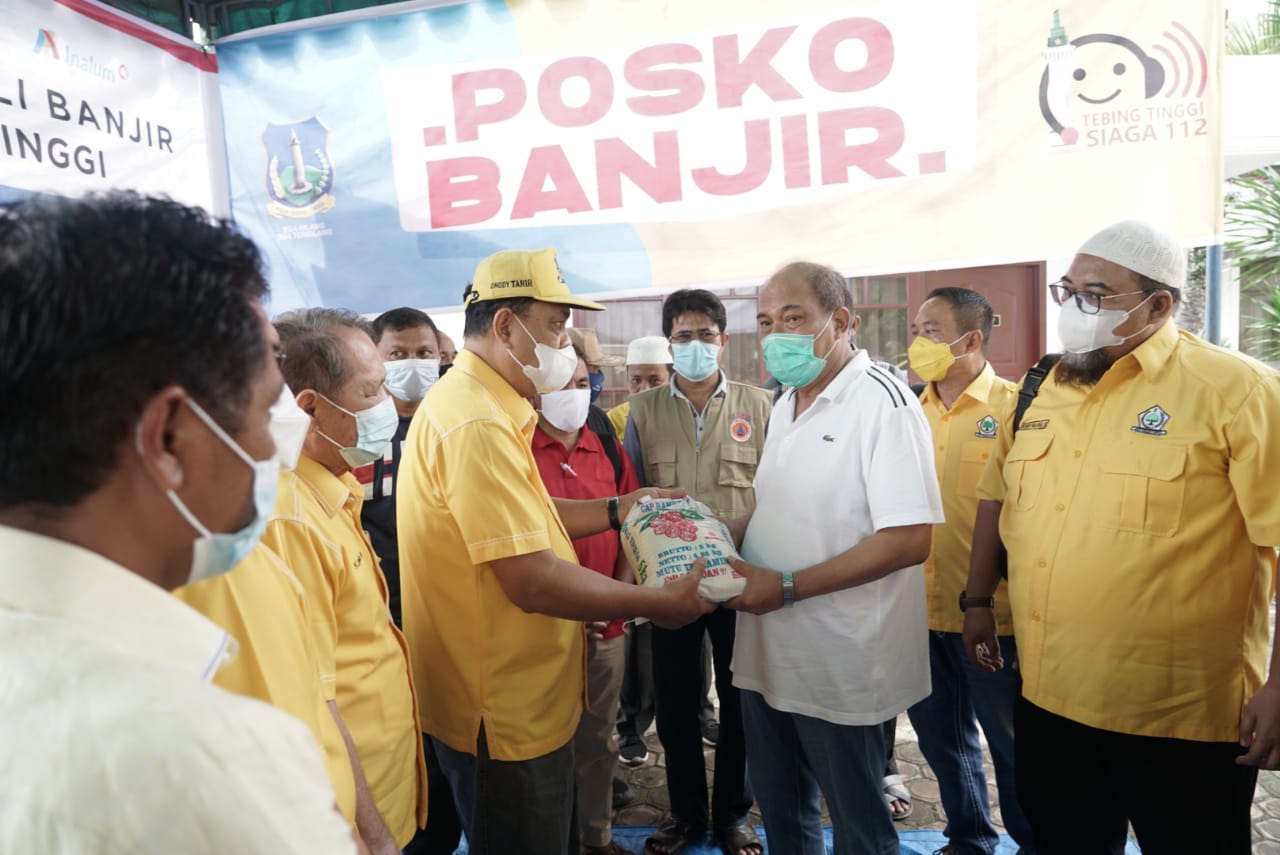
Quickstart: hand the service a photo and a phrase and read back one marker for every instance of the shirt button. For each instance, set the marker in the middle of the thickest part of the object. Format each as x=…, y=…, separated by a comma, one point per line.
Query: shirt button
x=1060, y=507
x=1042, y=563
x=1035, y=616
x=1077, y=453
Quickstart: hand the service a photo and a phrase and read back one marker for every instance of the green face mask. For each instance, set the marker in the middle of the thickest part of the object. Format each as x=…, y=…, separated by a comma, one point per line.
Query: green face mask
x=789, y=357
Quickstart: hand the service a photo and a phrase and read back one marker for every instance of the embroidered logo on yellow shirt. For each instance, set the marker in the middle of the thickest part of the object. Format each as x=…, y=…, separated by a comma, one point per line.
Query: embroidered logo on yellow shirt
x=987, y=427
x=1036, y=424
x=1152, y=421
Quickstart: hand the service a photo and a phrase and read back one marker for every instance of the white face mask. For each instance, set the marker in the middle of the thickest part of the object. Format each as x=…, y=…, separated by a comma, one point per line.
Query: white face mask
x=289, y=427
x=409, y=379
x=1081, y=333
x=567, y=409
x=213, y=554
x=555, y=367
x=375, y=427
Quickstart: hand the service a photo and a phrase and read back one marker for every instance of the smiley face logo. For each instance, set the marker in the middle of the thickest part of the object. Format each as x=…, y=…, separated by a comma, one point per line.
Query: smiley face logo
x=1109, y=65
x=1097, y=69
x=1106, y=71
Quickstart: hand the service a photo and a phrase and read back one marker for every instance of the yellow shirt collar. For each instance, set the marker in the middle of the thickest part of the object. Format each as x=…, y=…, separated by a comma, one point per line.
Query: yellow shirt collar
x=332, y=491
x=519, y=409
x=979, y=389
x=1154, y=353
x=52, y=578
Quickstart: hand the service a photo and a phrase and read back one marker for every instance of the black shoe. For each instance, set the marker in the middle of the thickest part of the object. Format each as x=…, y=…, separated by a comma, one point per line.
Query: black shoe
x=710, y=732
x=633, y=751
x=623, y=795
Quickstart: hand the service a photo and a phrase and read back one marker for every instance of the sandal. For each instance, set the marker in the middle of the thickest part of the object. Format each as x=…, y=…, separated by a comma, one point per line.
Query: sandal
x=672, y=836
x=896, y=791
x=734, y=838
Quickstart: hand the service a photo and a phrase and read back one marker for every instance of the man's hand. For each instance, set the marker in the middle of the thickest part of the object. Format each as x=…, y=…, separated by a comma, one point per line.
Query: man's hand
x=627, y=502
x=595, y=629
x=980, y=640
x=681, y=603
x=1260, y=729
x=763, y=593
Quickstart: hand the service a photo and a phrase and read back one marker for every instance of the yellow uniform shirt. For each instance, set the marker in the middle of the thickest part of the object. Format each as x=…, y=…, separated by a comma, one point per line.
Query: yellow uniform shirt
x=1139, y=515
x=469, y=492
x=618, y=418
x=316, y=530
x=263, y=606
x=963, y=438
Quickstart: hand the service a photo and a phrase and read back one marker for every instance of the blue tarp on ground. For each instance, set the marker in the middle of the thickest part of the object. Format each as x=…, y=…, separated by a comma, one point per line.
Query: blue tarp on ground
x=913, y=842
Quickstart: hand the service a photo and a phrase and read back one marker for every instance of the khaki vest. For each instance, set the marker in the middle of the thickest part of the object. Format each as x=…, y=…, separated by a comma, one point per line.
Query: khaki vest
x=720, y=472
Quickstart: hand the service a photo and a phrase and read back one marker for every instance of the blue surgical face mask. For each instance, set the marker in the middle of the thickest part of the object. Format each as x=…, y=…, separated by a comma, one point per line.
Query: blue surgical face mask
x=375, y=426
x=597, y=384
x=695, y=360
x=789, y=357
x=213, y=554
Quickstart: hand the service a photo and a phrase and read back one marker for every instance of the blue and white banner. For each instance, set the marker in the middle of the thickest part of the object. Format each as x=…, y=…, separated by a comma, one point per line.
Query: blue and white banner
x=658, y=145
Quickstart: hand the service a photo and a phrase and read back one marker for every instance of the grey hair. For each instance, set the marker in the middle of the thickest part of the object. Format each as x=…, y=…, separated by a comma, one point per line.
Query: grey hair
x=829, y=287
x=314, y=352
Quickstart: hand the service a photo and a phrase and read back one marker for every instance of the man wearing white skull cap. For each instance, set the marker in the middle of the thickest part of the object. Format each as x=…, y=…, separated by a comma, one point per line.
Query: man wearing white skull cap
x=1137, y=504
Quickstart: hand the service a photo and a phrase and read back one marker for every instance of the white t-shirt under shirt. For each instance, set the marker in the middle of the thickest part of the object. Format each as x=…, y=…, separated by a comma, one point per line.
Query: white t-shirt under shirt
x=860, y=459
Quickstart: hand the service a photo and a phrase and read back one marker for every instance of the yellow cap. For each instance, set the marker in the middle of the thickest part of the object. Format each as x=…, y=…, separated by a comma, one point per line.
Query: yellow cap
x=516, y=273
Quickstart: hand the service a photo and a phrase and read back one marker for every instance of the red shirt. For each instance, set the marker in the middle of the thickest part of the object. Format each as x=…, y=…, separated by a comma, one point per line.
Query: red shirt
x=586, y=473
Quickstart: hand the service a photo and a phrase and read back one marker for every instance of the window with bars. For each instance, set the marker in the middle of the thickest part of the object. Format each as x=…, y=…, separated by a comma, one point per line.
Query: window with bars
x=881, y=302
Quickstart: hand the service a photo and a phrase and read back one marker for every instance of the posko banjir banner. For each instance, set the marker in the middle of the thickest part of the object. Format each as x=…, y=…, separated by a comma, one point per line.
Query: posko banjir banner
x=657, y=144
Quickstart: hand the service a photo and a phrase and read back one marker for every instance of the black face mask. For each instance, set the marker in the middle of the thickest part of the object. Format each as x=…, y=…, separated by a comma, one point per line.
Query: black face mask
x=444, y=369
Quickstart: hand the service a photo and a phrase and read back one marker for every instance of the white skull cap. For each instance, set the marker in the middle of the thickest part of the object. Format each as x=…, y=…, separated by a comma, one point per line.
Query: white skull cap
x=649, y=350
x=1142, y=248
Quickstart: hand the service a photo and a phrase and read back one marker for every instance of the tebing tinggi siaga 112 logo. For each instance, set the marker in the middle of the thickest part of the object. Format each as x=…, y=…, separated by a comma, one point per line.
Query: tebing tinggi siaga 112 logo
x=299, y=171
x=1104, y=89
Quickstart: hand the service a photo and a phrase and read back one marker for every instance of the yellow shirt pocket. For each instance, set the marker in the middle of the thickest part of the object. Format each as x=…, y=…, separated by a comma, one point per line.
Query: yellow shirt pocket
x=1142, y=488
x=973, y=461
x=1025, y=468
x=661, y=465
x=738, y=465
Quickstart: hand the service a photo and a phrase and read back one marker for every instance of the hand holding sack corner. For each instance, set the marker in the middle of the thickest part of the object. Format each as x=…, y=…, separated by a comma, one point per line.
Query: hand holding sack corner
x=664, y=537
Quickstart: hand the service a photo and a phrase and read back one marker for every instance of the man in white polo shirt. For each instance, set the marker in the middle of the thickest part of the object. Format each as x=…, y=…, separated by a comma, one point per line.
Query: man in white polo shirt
x=832, y=635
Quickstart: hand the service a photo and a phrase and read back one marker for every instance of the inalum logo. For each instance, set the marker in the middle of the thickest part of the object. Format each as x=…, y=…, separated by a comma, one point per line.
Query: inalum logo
x=45, y=43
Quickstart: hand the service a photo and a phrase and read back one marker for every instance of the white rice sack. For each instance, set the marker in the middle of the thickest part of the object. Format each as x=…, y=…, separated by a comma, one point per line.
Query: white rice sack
x=663, y=537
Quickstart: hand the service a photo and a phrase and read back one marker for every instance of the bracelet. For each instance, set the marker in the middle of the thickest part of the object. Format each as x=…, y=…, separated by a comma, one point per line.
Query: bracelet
x=788, y=589
x=612, y=504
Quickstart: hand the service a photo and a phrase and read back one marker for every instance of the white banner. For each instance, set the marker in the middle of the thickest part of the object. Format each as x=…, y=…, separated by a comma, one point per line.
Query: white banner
x=92, y=99
x=750, y=117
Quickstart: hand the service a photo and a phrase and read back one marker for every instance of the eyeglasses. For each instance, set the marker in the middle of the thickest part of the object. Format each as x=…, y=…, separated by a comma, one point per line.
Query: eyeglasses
x=1088, y=302
x=705, y=335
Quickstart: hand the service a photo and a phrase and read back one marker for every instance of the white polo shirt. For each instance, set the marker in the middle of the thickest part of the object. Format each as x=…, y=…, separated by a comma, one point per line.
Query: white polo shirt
x=860, y=459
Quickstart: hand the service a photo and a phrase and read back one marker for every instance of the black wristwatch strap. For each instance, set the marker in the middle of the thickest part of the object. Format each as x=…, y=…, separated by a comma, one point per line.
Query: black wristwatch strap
x=967, y=603
x=613, y=514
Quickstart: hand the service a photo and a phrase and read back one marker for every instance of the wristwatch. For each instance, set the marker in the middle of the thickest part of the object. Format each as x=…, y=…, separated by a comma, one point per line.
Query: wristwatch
x=788, y=590
x=967, y=603
x=613, y=513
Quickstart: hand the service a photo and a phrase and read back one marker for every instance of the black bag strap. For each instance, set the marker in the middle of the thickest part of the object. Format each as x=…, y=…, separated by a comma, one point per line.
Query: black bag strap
x=599, y=424
x=1031, y=386
x=918, y=388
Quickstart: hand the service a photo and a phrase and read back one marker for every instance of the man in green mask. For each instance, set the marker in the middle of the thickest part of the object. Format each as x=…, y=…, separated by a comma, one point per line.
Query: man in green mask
x=832, y=637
